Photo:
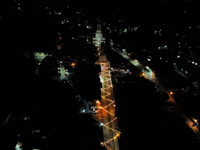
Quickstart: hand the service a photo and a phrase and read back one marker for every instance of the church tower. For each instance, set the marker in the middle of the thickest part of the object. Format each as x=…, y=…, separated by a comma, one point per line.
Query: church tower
x=98, y=39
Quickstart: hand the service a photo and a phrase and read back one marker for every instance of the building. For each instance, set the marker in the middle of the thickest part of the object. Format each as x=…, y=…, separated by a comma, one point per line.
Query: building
x=102, y=61
x=98, y=39
x=39, y=56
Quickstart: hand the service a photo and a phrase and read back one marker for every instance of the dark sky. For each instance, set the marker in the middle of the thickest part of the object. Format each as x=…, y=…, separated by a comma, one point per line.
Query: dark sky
x=134, y=11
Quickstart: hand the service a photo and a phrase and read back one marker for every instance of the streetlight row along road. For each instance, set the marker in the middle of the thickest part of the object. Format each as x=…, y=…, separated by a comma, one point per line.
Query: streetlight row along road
x=191, y=122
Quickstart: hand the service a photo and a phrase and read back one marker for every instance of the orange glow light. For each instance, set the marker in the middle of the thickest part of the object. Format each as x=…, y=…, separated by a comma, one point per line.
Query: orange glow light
x=118, y=134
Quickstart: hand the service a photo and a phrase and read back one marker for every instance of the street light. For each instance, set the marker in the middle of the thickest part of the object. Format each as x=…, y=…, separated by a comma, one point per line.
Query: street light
x=118, y=134
x=171, y=93
x=196, y=121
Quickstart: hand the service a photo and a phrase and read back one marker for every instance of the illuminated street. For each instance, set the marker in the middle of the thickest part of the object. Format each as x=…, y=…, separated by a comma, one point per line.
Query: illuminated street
x=106, y=116
x=192, y=123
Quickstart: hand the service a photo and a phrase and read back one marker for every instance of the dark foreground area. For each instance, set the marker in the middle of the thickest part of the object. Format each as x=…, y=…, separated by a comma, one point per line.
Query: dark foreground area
x=145, y=121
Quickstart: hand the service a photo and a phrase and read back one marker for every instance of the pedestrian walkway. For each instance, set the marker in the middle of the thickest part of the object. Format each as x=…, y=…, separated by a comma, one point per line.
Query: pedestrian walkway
x=110, y=126
x=106, y=116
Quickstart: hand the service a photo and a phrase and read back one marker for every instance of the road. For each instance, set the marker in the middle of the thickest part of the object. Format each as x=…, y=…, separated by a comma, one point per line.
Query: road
x=106, y=116
x=148, y=74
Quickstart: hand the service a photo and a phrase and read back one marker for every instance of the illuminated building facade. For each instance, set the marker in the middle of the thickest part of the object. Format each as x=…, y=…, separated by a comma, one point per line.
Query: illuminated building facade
x=98, y=39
